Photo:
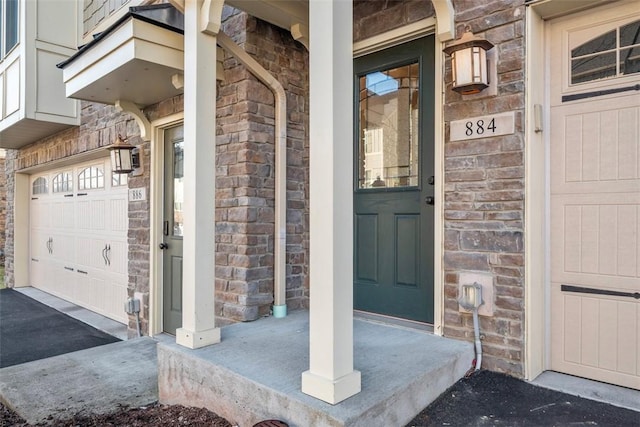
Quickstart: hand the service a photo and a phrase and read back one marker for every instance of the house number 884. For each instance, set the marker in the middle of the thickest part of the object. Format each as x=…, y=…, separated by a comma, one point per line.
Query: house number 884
x=479, y=127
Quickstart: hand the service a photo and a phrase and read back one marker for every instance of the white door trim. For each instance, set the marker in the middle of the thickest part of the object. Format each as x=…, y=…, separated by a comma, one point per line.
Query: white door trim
x=156, y=209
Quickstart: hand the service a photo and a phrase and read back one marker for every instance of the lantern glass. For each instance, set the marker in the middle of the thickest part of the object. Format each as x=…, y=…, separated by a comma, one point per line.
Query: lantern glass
x=469, y=64
x=121, y=161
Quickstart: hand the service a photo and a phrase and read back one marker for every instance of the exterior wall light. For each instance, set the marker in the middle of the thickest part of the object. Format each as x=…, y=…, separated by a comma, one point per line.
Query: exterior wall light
x=125, y=158
x=469, y=64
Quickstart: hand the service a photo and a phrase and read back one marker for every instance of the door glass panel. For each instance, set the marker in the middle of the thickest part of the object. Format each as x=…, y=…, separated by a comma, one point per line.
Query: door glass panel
x=178, y=187
x=630, y=60
x=615, y=53
x=388, y=128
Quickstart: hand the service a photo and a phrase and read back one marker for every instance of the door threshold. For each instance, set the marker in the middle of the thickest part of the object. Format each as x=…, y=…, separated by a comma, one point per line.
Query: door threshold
x=394, y=321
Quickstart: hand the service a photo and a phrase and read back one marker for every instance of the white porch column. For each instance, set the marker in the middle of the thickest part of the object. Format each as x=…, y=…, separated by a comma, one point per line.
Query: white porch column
x=331, y=376
x=198, y=274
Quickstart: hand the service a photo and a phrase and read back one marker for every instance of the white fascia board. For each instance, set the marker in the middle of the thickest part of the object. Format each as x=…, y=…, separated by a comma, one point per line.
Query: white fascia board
x=131, y=30
x=82, y=77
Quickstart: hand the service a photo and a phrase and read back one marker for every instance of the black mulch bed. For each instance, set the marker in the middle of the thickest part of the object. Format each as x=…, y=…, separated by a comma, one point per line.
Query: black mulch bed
x=491, y=399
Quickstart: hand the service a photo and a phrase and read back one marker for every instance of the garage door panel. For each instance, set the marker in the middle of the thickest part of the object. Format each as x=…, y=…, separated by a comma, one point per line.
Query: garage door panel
x=118, y=220
x=596, y=239
x=97, y=215
x=118, y=257
x=590, y=148
x=629, y=135
x=594, y=202
x=84, y=214
x=597, y=333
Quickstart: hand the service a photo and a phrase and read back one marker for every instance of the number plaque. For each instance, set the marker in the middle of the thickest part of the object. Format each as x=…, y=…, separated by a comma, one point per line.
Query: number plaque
x=483, y=127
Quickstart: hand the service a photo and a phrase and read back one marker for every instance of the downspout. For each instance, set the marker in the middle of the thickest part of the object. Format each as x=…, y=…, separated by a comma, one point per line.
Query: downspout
x=280, y=281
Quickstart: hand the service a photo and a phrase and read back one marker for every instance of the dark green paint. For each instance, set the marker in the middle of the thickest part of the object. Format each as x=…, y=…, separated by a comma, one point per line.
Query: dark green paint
x=393, y=271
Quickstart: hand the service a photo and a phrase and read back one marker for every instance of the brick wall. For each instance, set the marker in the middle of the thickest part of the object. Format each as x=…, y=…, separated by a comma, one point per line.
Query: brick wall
x=484, y=178
x=3, y=206
x=9, y=175
x=484, y=190
x=246, y=173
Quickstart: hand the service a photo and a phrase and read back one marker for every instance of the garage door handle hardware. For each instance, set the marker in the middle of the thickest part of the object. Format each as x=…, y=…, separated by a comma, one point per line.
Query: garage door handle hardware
x=575, y=97
x=82, y=194
x=82, y=272
x=68, y=195
x=50, y=245
x=68, y=268
x=34, y=198
x=35, y=260
x=164, y=246
x=106, y=254
x=578, y=289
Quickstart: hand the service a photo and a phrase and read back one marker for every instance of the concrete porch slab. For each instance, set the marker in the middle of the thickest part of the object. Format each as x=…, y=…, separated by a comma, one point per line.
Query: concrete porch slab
x=255, y=374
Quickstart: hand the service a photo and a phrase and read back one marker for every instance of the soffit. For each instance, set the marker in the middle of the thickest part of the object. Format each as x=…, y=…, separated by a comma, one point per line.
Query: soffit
x=548, y=9
x=281, y=13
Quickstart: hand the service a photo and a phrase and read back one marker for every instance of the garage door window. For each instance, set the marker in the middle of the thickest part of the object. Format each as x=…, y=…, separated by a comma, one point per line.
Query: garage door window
x=62, y=183
x=40, y=186
x=91, y=178
x=612, y=54
x=119, y=179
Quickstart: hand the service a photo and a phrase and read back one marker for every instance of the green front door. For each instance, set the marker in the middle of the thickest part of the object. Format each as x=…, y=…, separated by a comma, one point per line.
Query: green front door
x=172, y=229
x=394, y=177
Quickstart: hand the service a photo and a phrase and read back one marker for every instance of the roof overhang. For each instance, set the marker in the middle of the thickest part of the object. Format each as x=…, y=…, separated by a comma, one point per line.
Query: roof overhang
x=282, y=13
x=133, y=60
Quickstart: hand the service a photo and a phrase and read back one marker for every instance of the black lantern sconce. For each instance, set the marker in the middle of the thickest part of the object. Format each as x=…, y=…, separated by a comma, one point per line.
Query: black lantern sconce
x=469, y=64
x=125, y=158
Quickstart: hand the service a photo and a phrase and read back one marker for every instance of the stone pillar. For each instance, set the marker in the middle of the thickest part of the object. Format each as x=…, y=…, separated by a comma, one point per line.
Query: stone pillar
x=331, y=376
x=198, y=274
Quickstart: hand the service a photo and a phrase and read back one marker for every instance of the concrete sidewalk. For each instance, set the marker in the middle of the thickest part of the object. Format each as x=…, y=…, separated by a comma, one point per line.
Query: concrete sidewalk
x=97, y=380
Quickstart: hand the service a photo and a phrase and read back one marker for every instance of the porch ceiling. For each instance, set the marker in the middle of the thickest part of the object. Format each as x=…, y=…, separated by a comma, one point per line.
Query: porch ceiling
x=134, y=60
x=282, y=13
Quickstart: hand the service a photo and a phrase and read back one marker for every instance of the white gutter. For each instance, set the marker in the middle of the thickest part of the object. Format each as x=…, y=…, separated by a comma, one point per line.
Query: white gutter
x=279, y=268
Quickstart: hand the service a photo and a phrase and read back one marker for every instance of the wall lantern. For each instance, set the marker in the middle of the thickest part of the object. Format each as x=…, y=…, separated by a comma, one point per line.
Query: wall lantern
x=125, y=158
x=469, y=63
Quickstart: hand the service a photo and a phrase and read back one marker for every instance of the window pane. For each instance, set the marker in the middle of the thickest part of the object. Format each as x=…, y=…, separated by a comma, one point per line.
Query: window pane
x=593, y=68
x=630, y=60
x=178, y=187
x=40, y=186
x=90, y=178
x=119, y=179
x=11, y=34
x=388, y=128
x=630, y=34
x=604, y=42
x=62, y=182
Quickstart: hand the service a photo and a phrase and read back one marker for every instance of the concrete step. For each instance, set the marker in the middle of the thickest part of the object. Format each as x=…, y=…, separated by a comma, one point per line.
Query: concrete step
x=255, y=374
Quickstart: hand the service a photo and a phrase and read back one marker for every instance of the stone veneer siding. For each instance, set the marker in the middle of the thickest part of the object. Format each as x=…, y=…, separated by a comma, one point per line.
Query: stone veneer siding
x=484, y=178
x=245, y=169
x=245, y=175
x=3, y=208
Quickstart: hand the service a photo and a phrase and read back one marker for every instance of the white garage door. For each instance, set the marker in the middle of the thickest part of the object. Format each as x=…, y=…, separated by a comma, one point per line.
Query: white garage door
x=79, y=236
x=595, y=195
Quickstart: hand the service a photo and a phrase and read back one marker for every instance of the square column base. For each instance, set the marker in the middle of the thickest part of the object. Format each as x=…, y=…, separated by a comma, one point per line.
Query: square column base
x=198, y=339
x=331, y=391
